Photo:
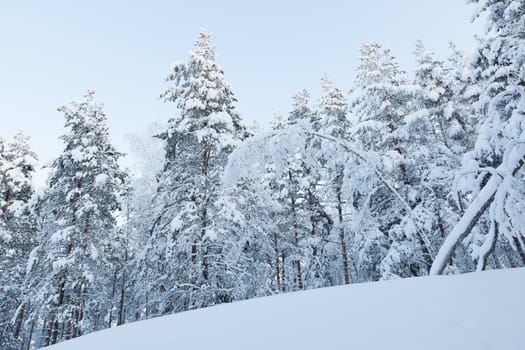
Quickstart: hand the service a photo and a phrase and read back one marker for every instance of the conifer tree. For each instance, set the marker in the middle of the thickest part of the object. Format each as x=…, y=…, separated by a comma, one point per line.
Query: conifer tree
x=431, y=137
x=70, y=269
x=301, y=110
x=186, y=250
x=17, y=234
x=333, y=118
x=278, y=122
x=385, y=99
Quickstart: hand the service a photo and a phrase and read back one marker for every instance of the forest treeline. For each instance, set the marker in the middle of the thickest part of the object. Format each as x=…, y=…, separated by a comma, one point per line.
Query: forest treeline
x=405, y=175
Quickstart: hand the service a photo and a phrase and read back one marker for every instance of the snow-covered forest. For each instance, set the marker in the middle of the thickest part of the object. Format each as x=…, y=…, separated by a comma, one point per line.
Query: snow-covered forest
x=403, y=175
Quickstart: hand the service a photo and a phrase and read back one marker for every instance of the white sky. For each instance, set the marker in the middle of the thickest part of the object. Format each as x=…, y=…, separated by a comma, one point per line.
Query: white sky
x=52, y=51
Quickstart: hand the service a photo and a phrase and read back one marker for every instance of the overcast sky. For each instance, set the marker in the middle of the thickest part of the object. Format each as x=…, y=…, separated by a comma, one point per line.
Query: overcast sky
x=52, y=51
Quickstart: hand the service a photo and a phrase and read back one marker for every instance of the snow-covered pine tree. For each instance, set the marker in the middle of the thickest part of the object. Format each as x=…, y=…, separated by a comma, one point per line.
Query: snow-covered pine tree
x=292, y=222
x=385, y=100
x=432, y=136
x=496, y=165
x=17, y=166
x=278, y=122
x=333, y=120
x=333, y=110
x=318, y=263
x=301, y=110
x=433, y=98
x=185, y=255
x=465, y=90
x=17, y=234
x=70, y=270
x=303, y=226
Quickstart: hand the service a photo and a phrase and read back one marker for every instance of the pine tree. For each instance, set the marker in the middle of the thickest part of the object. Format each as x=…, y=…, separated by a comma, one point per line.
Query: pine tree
x=184, y=261
x=288, y=186
x=465, y=91
x=300, y=110
x=17, y=234
x=303, y=225
x=430, y=136
x=333, y=118
x=386, y=99
x=333, y=110
x=71, y=267
x=433, y=96
x=318, y=270
x=278, y=122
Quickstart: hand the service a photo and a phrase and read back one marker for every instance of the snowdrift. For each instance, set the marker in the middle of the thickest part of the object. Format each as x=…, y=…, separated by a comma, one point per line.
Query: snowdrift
x=472, y=311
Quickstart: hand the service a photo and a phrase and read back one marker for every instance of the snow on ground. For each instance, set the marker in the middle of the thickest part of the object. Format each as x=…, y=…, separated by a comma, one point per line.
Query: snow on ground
x=472, y=311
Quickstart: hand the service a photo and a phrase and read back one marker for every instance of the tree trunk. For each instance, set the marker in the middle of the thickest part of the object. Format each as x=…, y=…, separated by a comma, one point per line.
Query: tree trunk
x=487, y=247
x=312, y=219
x=61, y=290
x=283, y=274
x=277, y=272
x=194, y=252
x=44, y=329
x=4, y=207
x=69, y=330
x=30, y=337
x=19, y=319
x=80, y=318
x=299, y=274
x=441, y=227
x=112, y=298
x=296, y=235
x=344, y=253
x=519, y=247
x=62, y=327
x=460, y=205
x=204, y=215
x=120, y=320
x=54, y=331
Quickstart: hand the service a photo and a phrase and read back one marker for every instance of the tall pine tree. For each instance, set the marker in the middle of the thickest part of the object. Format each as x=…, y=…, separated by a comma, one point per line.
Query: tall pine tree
x=184, y=258
x=69, y=271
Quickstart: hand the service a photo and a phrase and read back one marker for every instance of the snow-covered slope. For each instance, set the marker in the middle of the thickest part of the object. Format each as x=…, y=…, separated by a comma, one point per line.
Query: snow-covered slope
x=473, y=311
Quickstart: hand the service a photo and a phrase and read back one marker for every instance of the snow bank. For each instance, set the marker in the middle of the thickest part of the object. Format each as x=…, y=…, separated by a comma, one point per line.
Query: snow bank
x=472, y=311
